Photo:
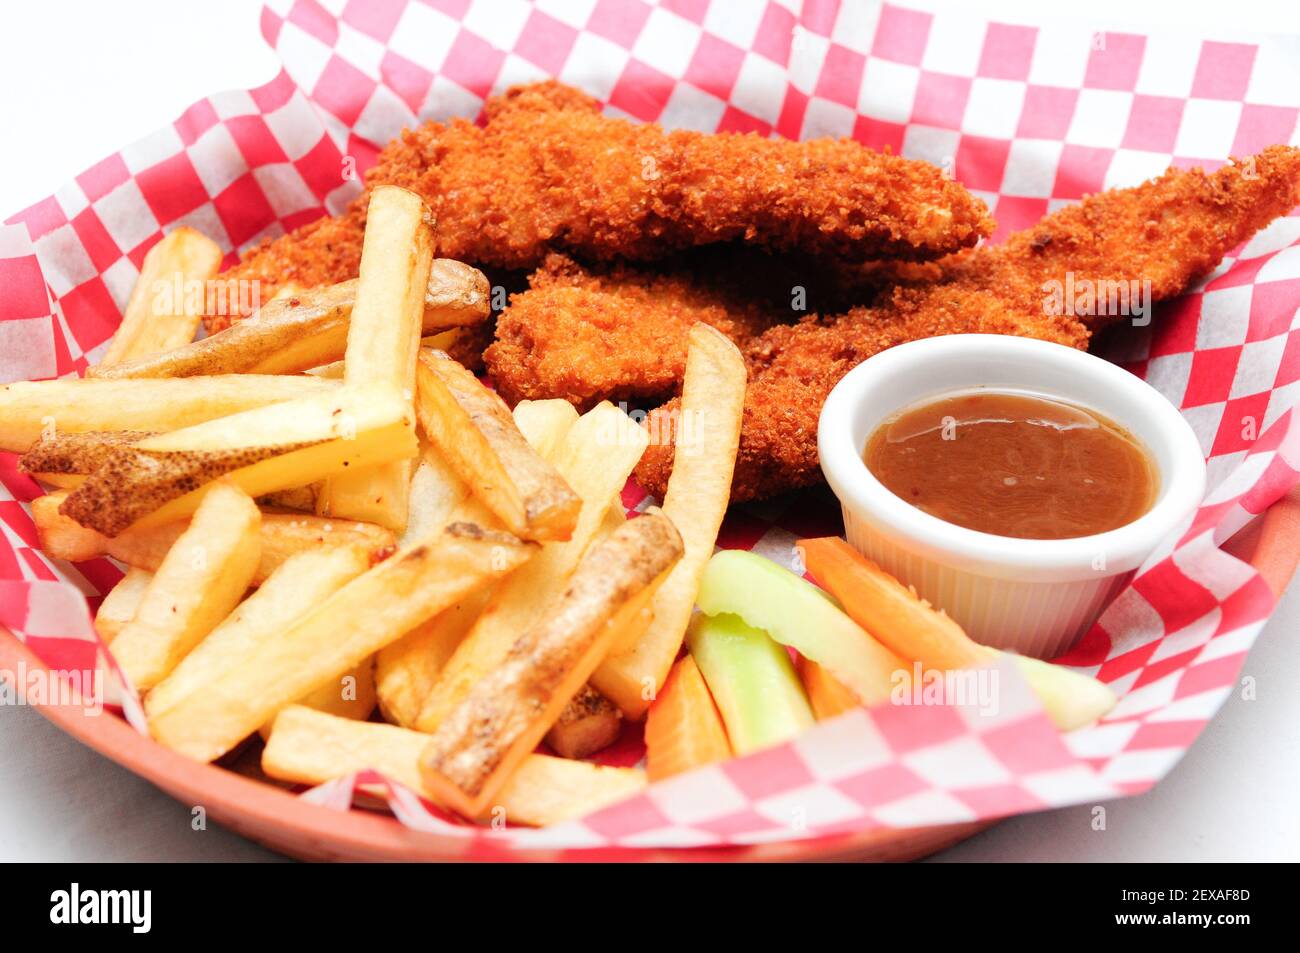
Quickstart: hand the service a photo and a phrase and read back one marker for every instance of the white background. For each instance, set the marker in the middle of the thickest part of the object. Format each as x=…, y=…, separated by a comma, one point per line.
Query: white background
x=79, y=80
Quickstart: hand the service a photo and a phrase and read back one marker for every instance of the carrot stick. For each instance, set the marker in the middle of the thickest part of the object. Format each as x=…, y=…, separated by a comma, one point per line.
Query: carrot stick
x=683, y=729
x=829, y=696
x=893, y=613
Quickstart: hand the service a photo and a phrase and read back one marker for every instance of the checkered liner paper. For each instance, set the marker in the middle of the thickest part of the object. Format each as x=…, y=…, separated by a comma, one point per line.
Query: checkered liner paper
x=1030, y=119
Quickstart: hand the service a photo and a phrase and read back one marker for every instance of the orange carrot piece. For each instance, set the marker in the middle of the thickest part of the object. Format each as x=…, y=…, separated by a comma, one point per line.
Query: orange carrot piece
x=683, y=729
x=893, y=613
x=828, y=695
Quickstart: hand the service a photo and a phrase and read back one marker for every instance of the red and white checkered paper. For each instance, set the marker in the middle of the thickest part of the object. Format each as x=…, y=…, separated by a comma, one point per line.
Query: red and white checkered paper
x=1028, y=118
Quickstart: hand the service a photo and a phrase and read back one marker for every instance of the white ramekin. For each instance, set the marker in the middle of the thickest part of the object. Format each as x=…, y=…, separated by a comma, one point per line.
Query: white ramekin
x=1034, y=596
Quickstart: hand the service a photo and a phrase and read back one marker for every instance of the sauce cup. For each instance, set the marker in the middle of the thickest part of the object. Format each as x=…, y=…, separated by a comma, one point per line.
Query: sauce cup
x=1033, y=596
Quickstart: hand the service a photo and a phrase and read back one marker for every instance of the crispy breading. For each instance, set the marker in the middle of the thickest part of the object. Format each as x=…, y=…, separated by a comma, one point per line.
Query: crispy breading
x=1171, y=231
x=549, y=172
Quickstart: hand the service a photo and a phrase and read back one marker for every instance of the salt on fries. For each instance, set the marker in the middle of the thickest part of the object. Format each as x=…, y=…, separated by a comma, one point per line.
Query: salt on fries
x=167, y=304
x=383, y=337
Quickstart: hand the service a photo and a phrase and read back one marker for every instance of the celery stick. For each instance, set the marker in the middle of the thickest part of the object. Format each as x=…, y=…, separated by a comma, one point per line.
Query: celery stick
x=752, y=680
x=1071, y=699
x=796, y=613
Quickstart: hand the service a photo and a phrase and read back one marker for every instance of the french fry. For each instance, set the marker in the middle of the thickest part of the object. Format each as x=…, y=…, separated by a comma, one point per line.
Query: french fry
x=439, y=342
x=595, y=459
x=62, y=456
x=199, y=582
x=407, y=670
x=32, y=409
x=544, y=423
x=372, y=610
x=472, y=429
x=699, y=488
x=163, y=478
x=298, y=586
x=383, y=338
x=119, y=606
x=163, y=313
x=282, y=534
x=481, y=741
x=308, y=747
x=299, y=331
x=351, y=697
x=588, y=723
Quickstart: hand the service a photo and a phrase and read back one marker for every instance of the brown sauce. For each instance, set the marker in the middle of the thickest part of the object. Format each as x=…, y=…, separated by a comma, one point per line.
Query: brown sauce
x=1014, y=465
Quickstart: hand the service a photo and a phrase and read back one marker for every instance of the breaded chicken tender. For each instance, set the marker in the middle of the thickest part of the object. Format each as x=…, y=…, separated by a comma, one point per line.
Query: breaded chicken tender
x=1170, y=232
x=549, y=172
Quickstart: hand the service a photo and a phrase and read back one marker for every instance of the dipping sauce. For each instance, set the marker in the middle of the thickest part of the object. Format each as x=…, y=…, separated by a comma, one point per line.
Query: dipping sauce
x=1014, y=465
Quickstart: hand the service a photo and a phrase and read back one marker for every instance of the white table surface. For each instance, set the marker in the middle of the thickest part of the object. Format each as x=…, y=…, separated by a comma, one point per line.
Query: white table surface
x=82, y=79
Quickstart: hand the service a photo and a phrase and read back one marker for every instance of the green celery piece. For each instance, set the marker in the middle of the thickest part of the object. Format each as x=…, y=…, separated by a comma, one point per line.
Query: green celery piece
x=752, y=680
x=796, y=613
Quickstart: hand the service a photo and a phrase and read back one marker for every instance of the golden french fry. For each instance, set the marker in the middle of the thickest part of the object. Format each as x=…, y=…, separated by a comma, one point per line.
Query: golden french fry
x=300, y=584
x=544, y=423
x=483, y=739
x=407, y=670
x=588, y=723
x=383, y=338
x=708, y=435
x=595, y=459
x=309, y=747
x=167, y=303
x=472, y=429
x=152, y=482
x=352, y=696
x=32, y=409
x=283, y=535
x=120, y=605
x=65, y=456
x=372, y=610
x=300, y=330
x=199, y=582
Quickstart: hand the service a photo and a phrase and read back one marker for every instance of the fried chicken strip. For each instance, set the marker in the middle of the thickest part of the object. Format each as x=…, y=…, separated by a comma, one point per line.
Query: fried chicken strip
x=1171, y=232
x=549, y=172
x=620, y=332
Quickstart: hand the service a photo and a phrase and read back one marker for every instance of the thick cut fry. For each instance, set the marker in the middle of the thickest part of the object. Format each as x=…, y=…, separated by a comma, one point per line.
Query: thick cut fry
x=595, y=459
x=161, y=479
x=588, y=723
x=169, y=298
x=121, y=603
x=707, y=436
x=407, y=670
x=371, y=611
x=199, y=582
x=544, y=423
x=472, y=429
x=301, y=584
x=829, y=696
x=683, y=729
x=62, y=456
x=31, y=409
x=307, y=329
x=351, y=697
x=308, y=747
x=435, y=494
x=283, y=535
x=383, y=338
x=483, y=739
